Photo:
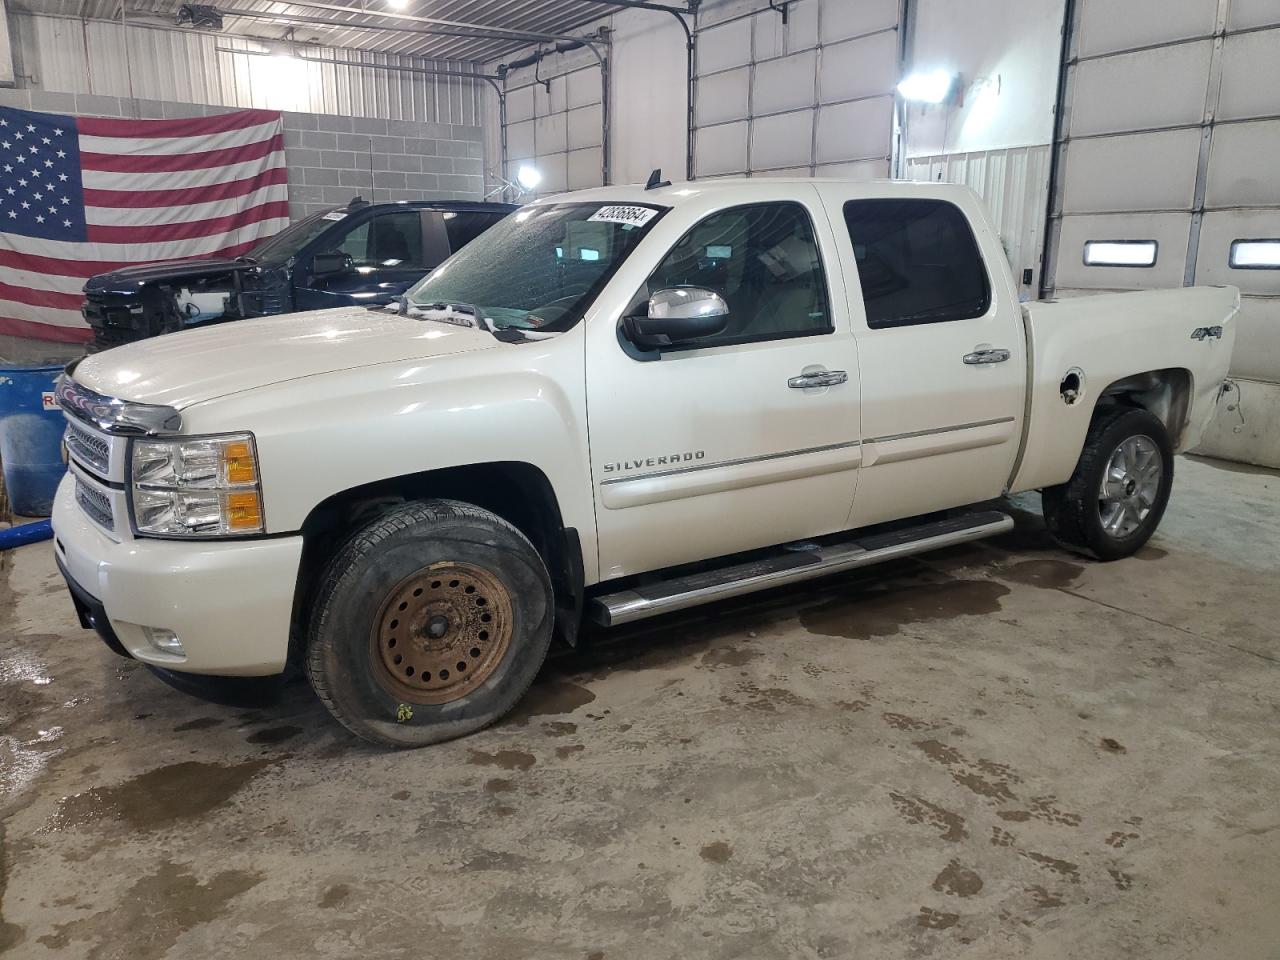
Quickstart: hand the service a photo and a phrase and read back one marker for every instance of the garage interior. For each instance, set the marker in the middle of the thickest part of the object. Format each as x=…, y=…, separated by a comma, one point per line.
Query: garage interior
x=995, y=750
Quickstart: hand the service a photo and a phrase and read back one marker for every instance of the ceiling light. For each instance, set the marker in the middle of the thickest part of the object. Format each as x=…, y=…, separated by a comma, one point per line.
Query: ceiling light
x=397, y=4
x=528, y=176
x=930, y=86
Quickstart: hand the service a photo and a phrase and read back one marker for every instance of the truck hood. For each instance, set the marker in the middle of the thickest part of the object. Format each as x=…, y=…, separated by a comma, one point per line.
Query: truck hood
x=128, y=279
x=180, y=369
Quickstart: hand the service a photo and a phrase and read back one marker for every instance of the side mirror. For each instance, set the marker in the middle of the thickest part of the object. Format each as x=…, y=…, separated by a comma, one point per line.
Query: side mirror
x=331, y=264
x=677, y=314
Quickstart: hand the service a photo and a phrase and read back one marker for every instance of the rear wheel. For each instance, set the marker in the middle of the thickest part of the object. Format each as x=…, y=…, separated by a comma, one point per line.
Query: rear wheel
x=1114, y=501
x=431, y=623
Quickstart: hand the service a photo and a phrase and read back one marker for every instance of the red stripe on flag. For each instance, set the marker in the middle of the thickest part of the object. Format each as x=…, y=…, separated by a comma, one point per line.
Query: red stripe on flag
x=184, y=195
x=40, y=298
x=44, y=331
x=91, y=268
x=191, y=127
x=164, y=232
x=169, y=163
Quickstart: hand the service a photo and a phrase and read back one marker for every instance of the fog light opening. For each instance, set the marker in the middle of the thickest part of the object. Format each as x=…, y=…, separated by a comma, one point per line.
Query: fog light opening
x=166, y=641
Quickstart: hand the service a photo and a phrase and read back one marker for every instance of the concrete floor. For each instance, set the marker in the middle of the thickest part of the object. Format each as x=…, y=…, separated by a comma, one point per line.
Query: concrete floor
x=998, y=751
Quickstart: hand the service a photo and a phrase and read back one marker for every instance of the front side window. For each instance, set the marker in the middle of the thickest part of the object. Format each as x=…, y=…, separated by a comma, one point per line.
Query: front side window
x=917, y=262
x=764, y=261
x=281, y=246
x=541, y=266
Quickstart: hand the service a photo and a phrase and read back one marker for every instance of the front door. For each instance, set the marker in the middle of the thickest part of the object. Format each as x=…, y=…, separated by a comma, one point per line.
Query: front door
x=942, y=346
x=743, y=439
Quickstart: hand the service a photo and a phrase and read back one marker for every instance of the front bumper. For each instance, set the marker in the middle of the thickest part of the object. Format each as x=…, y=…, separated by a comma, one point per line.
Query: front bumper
x=230, y=603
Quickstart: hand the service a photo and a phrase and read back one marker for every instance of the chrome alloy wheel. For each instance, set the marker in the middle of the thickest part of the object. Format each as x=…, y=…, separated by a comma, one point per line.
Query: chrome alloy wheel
x=1130, y=486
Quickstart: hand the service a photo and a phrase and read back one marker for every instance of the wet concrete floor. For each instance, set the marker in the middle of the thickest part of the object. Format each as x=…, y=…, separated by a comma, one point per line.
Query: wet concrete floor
x=996, y=751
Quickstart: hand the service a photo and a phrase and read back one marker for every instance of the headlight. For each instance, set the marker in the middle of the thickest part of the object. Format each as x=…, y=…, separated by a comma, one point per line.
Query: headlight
x=196, y=487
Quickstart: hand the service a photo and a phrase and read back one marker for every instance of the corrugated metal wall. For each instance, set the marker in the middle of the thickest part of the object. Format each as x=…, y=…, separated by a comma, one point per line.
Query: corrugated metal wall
x=101, y=57
x=1015, y=184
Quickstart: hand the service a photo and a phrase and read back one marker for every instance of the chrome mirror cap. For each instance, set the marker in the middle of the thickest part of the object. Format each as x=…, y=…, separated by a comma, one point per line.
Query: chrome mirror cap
x=687, y=303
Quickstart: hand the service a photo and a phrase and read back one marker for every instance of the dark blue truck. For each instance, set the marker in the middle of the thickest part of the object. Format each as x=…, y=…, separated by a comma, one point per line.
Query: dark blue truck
x=361, y=253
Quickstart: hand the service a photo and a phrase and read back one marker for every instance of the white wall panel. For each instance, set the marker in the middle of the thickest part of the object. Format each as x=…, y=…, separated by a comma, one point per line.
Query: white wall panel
x=585, y=126
x=584, y=168
x=1244, y=165
x=551, y=134
x=1154, y=88
x=722, y=47
x=1250, y=76
x=859, y=68
x=782, y=140
x=1110, y=25
x=520, y=140
x=1115, y=173
x=855, y=131
x=520, y=105
x=1213, y=263
x=784, y=84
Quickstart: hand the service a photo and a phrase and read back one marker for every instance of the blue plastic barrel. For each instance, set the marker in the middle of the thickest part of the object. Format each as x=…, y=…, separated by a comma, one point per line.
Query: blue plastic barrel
x=31, y=428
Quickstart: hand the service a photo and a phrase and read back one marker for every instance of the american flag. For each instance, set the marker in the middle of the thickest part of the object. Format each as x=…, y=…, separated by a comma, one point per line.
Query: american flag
x=83, y=195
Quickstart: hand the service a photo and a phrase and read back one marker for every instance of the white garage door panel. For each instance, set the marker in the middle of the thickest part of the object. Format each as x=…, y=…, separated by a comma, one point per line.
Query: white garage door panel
x=783, y=172
x=1154, y=88
x=585, y=125
x=1110, y=25
x=1257, y=352
x=520, y=105
x=722, y=149
x=726, y=46
x=859, y=68
x=1253, y=13
x=723, y=96
x=1220, y=227
x=841, y=19
x=855, y=131
x=1116, y=173
x=785, y=84
x=801, y=32
x=582, y=87
x=1244, y=165
x=555, y=173
x=553, y=101
x=584, y=168
x=858, y=170
x=520, y=140
x=1169, y=230
x=551, y=133
x=784, y=140
x=1250, y=76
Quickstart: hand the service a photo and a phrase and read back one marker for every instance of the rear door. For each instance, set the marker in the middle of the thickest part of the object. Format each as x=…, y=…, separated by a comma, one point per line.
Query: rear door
x=941, y=345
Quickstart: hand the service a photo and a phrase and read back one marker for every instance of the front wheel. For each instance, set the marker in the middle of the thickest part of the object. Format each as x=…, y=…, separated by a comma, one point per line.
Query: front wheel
x=430, y=624
x=1114, y=501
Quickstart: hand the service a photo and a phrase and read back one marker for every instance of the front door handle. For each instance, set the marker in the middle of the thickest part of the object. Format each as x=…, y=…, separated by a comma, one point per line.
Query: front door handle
x=819, y=378
x=986, y=355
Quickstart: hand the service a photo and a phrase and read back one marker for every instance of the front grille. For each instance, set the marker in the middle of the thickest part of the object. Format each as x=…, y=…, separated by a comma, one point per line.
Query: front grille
x=90, y=449
x=96, y=504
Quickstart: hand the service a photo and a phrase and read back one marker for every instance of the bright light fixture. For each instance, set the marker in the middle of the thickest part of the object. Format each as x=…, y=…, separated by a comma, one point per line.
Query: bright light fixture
x=929, y=86
x=397, y=4
x=528, y=176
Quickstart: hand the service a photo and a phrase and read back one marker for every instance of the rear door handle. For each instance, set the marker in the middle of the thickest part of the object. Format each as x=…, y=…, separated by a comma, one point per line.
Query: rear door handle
x=986, y=355
x=819, y=378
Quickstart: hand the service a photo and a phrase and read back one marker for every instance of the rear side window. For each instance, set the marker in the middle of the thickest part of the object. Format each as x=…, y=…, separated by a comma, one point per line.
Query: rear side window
x=917, y=262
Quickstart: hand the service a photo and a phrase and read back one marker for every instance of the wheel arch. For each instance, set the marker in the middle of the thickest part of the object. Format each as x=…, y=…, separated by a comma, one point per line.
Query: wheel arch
x=1168, y=394
x=517, y=491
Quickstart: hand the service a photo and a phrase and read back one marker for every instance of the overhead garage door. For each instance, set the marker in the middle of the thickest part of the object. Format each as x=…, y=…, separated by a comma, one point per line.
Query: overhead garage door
x=556, y=122
x=1170, y=130
x=813, y=96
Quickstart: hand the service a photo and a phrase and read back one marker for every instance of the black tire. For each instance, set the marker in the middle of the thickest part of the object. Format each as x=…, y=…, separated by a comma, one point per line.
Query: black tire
x=1072, y=511
x=348, y=656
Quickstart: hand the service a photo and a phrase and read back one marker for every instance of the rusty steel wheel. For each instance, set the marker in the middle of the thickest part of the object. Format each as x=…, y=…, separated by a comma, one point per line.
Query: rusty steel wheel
x=440, y=633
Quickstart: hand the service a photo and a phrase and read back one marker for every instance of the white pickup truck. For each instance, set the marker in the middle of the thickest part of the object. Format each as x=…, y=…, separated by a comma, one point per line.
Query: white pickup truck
x=614, y=404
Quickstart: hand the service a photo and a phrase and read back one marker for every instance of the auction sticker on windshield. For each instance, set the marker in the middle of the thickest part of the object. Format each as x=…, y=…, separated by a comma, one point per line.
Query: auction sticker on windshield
x=619, y=213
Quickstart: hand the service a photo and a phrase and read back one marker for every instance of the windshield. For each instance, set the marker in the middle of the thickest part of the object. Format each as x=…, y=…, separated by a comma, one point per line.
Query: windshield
x=283, y=245
x=540, y=267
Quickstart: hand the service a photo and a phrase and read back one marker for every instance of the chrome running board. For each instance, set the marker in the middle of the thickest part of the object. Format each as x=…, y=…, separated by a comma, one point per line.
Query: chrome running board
x=790, y=566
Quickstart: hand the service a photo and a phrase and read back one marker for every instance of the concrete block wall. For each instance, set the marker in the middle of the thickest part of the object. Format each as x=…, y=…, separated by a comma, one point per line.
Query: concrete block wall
x=329, y=158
